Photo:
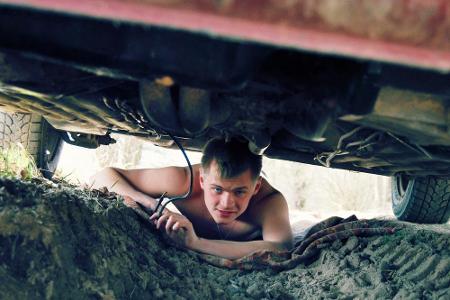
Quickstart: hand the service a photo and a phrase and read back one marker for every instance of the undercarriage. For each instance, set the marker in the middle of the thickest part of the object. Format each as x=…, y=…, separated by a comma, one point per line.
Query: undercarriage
x=339, y=113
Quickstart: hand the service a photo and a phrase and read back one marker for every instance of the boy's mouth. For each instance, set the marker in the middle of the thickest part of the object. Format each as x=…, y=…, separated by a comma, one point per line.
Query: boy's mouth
x=225, y=213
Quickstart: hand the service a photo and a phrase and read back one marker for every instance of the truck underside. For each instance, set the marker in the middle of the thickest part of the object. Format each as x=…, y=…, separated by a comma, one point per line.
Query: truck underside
x=296, y=99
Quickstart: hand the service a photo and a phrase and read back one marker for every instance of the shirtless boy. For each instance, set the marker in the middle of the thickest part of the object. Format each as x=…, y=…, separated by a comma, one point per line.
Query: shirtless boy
x=231, y=212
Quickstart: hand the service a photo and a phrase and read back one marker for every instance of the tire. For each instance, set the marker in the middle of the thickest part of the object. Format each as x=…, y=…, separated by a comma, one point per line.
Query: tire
x=38, y=137
x=421, y=199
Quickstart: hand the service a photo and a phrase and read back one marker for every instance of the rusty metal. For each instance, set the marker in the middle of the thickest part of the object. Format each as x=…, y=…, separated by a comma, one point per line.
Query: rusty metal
x=411, y=32
x=194, y=108
x=420, y=116
x=68, y=115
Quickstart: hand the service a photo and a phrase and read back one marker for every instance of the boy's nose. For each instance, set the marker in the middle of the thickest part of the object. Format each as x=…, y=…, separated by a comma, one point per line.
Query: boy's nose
x=227, y=200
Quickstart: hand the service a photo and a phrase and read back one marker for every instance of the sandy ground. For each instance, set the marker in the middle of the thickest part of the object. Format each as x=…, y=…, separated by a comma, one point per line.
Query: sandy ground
x=60, y=242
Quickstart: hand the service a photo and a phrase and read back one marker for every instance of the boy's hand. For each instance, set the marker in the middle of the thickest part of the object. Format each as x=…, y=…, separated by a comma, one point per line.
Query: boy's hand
x=177, y=227
x=145, y=201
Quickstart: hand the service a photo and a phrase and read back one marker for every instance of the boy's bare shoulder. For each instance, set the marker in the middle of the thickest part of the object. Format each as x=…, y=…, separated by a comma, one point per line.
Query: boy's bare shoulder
x=268, y=198
x=265, y=192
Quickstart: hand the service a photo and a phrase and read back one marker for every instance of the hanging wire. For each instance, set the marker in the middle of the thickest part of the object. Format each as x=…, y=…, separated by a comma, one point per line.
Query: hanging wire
x=160, y=206
x=329, y=156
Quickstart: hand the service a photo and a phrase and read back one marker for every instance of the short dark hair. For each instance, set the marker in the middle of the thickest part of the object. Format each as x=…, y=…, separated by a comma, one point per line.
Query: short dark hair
x=233, y=157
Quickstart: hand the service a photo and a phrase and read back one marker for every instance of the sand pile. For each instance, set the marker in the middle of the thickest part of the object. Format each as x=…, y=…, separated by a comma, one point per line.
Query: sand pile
x=58, y=241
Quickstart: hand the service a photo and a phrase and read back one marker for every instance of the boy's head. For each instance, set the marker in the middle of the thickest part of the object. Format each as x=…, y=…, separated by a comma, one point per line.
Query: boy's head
x=232, y=157
x=229, y=178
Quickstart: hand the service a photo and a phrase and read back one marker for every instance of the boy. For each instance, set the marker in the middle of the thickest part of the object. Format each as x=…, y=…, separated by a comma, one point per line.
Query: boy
x=231, y=212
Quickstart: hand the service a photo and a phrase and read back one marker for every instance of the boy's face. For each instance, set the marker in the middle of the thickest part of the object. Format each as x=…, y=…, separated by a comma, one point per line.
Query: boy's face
x=227, y=198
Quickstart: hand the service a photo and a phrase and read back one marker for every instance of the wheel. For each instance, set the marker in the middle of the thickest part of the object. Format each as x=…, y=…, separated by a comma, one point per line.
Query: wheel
x=421, y=199
x=38, y=137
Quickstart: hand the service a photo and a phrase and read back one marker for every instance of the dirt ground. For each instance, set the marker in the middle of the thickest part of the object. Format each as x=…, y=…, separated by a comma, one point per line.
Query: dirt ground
x=60, y=242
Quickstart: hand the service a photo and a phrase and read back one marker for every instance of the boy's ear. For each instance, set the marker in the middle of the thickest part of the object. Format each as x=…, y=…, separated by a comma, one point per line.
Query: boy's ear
x=202, y=174
x=258, y=185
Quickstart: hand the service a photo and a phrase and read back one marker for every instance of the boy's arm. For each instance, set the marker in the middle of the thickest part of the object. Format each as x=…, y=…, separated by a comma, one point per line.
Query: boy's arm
x=272, y=212
x=273, y=216
x=141, y=185
x=232, y=249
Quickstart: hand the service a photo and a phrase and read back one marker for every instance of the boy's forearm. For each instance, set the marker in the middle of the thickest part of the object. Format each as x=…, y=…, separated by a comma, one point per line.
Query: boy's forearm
x=115, y=182
x=232, y=249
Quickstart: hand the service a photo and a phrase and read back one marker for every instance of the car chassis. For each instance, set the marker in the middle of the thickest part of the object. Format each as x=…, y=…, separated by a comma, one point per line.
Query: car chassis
x=300, y=80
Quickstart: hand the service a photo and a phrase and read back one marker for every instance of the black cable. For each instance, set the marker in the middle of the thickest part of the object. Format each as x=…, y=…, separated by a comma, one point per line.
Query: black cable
x=191, y=184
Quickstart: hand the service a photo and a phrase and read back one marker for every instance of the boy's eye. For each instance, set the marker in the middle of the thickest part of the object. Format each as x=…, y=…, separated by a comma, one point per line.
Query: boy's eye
x=217, y=190
x=239, y=193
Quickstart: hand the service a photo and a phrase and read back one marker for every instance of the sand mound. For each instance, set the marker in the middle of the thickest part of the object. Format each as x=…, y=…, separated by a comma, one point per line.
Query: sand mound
x=57, y=241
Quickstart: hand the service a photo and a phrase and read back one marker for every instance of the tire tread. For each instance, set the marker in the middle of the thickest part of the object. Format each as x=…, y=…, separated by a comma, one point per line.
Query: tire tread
x=430, y=201
x=21, y=128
